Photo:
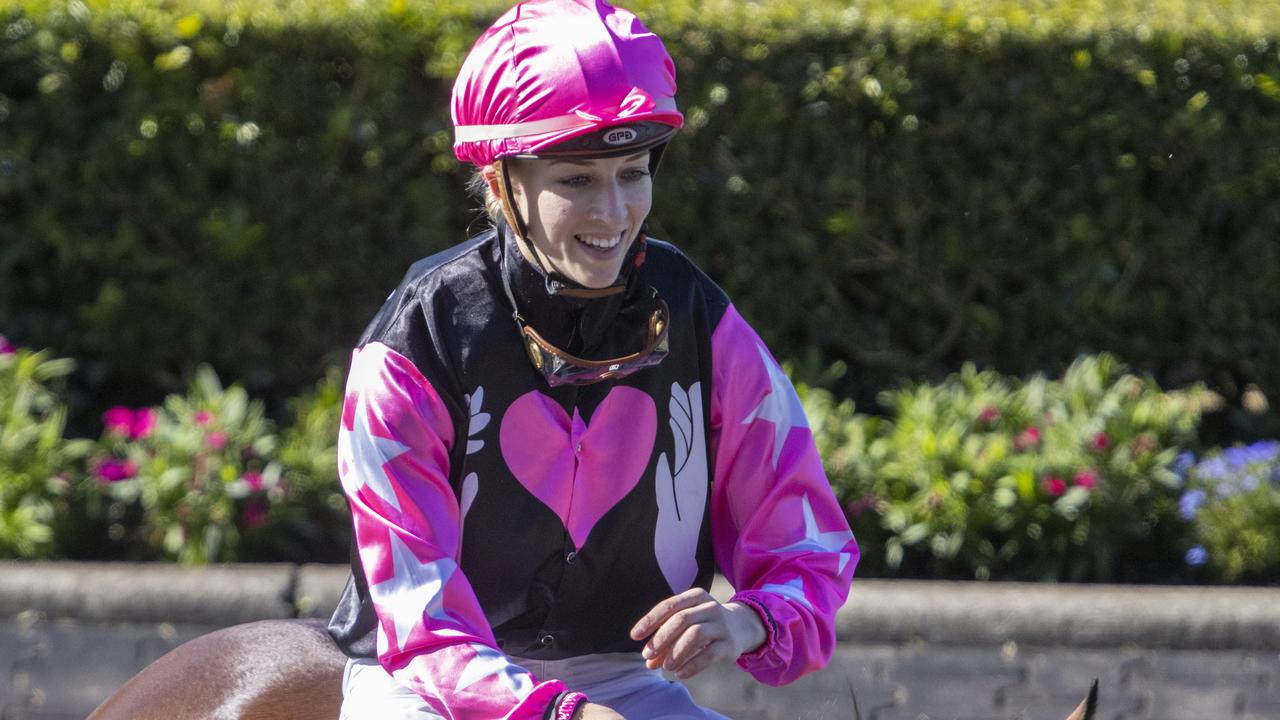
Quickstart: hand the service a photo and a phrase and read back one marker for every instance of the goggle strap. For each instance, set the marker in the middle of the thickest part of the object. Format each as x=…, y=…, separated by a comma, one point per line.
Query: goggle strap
x=657, y=336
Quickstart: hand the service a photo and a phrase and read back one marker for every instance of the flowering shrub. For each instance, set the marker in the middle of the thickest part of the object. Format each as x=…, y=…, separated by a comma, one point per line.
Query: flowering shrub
x=36, y=464
x=1232, y=499
x=203, y=469
x=207, y=478
x=984, y=476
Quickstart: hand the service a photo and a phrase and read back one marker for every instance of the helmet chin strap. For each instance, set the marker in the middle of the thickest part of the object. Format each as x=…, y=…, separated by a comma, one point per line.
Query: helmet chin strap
x=512, y=214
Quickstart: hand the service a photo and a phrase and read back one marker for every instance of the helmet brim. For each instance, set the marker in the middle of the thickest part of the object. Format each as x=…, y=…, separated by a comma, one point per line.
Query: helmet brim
x=612, y=141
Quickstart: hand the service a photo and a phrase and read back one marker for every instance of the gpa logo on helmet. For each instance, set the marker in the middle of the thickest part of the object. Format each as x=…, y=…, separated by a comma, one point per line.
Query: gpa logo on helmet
x=620, y=136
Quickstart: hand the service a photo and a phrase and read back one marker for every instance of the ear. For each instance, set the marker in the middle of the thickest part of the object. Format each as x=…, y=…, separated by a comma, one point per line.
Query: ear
x=490, y=174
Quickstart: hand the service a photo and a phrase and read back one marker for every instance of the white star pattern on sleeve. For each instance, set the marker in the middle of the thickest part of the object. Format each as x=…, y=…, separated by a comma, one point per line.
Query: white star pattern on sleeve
x=414, y=589
x=366, y=454
x=491, y=663
x=781, y=406
x=815, y=540
x=793, y=588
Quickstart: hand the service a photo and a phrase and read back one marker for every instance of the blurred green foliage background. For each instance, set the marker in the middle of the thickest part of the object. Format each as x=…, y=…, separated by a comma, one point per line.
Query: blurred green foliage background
x=900, y=186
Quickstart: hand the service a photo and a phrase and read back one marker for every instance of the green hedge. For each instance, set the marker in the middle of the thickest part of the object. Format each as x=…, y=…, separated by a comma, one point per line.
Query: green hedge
x=1005, y=182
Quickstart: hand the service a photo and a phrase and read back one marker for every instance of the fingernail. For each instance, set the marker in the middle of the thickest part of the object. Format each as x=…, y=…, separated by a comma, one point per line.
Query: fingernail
x=646, y=653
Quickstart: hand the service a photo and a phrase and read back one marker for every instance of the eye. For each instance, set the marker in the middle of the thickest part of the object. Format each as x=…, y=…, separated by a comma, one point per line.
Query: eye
x=576, y=181
x=635, y=173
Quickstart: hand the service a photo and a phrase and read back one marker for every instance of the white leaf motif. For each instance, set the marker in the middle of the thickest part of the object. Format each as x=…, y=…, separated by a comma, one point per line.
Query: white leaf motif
x=470, y=486
x=479, y=420
x=682, y=490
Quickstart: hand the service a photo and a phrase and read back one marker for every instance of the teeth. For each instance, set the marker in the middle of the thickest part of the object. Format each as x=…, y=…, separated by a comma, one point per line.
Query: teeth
x=599, y=241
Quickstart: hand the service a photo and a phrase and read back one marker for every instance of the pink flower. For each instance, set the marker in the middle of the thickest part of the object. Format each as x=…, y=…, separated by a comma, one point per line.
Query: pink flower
x=1027, y=438
x=133, y=424
x=143, y=423
x=989, y=415
x=204, y=417
x=217, y=440
x=1100, y=442
x=255, y=513
x=253, y=480
x=119, y=420
x=1087, y=479
x=115, y=470
x=1053, y=485
x=854, y=508
x=6, y=348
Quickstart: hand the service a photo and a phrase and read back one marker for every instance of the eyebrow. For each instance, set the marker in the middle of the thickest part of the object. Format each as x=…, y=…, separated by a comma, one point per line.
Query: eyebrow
x=572, y=161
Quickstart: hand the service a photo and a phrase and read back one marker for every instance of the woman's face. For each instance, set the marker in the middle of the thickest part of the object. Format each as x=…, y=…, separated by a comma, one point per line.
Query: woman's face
x=583, y=214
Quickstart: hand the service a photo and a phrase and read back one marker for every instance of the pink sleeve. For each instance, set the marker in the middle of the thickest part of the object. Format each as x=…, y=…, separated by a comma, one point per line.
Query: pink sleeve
x=778, y=532
x=393, y=459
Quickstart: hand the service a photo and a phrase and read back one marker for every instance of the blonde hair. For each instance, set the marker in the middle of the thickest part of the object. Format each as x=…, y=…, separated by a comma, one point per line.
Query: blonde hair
x=494, y=207
x=479, y=188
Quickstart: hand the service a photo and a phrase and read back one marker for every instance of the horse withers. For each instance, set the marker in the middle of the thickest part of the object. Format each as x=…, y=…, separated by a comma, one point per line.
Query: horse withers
x=268, y=670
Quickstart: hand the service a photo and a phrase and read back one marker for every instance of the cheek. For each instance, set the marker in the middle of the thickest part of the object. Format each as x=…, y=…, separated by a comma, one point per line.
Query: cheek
x=640, y=202
x=556, y=214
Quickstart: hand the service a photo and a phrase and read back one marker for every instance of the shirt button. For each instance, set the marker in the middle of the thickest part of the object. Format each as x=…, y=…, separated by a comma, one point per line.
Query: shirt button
x=571, y=558
x=546, y=639
x=578, y=448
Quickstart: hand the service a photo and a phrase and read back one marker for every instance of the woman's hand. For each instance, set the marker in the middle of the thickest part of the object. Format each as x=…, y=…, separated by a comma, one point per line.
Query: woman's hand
x=690, y=631
x=592, y=711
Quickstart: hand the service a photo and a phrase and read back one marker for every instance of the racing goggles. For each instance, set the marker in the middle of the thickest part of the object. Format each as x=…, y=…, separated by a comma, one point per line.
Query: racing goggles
x=560, y=368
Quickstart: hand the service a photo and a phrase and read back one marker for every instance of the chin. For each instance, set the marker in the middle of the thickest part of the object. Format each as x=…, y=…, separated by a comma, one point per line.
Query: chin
x=594, y=280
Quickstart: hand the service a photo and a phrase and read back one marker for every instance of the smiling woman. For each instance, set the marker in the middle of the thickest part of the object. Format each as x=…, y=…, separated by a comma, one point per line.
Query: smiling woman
x=557, y=432
x=583, y=214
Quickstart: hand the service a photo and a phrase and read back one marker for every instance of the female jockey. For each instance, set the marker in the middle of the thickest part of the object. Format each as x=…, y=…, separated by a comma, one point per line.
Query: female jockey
x=556, y=433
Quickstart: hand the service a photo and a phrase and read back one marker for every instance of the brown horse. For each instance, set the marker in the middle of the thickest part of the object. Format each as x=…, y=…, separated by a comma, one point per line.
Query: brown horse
x=268, y=670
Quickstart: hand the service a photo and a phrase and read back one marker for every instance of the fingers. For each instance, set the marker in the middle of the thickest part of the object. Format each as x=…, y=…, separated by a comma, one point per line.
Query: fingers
x=696, y=626
x=663, y=610
x=716, y=651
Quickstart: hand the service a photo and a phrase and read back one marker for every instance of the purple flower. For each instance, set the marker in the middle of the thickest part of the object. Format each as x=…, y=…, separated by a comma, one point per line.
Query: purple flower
x=1264, y=451
x=1215, y=468
x=204, y=417
x=1189, y=504
x=217, y=440
x=1183, y=463
x=1197, y=556
x=6, y=348
x=253, y=480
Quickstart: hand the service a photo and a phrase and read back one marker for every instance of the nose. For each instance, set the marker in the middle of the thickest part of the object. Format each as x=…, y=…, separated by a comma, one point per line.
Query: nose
x=609, y=205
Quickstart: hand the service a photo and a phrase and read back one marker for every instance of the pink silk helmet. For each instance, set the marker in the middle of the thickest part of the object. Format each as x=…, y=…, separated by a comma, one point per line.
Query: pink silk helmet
x=554, y=76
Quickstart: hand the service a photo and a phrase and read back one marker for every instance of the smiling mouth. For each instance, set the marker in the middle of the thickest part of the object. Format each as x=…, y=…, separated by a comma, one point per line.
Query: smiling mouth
x=600, y=242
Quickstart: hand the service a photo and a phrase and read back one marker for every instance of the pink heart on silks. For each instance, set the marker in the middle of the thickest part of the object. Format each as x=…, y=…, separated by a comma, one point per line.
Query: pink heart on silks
x=579, y=470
